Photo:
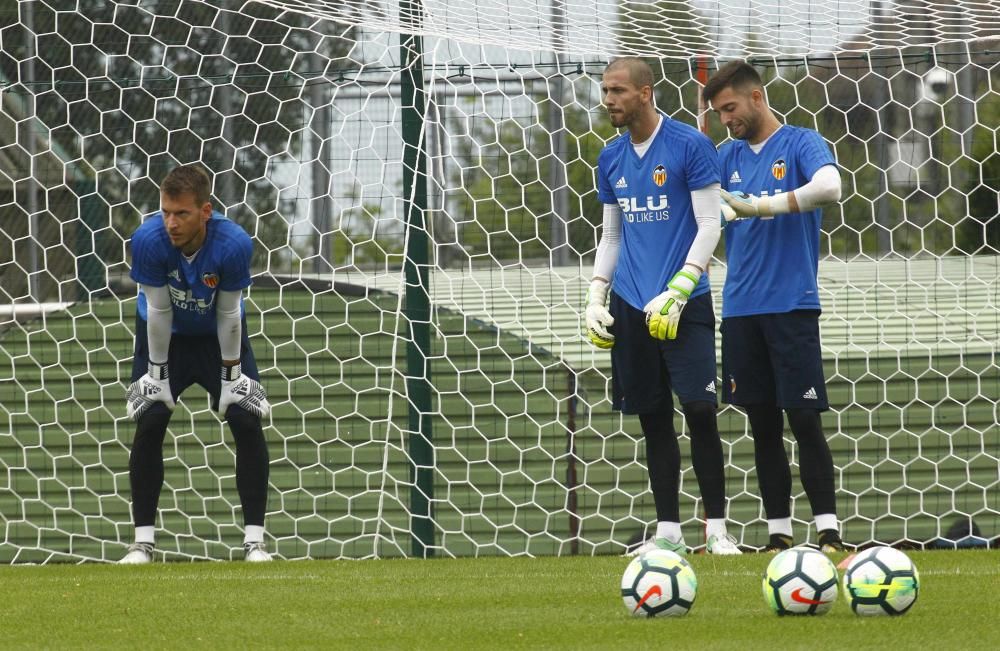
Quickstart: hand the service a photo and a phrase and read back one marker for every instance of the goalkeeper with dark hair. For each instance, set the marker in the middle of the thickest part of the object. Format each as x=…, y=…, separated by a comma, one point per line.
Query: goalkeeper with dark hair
x=774, y=179
x=192, y=265
x=659, y=183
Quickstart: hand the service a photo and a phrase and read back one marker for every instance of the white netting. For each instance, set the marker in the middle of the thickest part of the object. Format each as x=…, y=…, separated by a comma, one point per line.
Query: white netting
x=674, y=28
x=299, y=111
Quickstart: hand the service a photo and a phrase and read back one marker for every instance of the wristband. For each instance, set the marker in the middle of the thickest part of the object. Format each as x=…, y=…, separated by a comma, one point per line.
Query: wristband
x=158, y=371
x=230, y=373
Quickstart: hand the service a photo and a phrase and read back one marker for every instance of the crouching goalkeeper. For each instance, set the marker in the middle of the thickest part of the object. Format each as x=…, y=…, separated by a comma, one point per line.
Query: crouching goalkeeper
x=192, y=265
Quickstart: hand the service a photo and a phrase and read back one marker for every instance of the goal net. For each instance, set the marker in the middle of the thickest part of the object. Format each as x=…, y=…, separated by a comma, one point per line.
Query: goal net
x=418, y=181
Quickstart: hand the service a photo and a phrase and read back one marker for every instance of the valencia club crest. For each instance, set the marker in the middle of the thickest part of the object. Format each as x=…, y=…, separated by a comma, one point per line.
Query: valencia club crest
x=660, y=175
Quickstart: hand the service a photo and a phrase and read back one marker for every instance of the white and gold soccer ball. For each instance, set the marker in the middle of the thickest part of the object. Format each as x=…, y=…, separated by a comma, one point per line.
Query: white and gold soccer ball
x=881, y=581
x=800, y=581
x=659, y=583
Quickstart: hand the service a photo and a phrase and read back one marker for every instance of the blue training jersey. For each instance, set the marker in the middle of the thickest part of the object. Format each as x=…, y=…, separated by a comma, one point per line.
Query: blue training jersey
x=654, y=194
x=772, y=262
x=222, y=263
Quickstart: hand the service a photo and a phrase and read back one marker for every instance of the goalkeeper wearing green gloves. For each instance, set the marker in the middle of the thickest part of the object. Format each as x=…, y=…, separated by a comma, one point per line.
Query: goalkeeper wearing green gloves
x=774, y=179
x=192, y=265
x=649, y=300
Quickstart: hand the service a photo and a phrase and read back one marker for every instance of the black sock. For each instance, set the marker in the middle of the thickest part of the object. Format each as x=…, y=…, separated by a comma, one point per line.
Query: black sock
x=706, y=456
x=145, y=465
x=663, y=459
x=774, y=475
x=252, y=464
x=815, y=460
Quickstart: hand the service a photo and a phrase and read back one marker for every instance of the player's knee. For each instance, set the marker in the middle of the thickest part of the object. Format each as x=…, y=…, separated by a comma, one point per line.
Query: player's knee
x=658, y=423
x=157, y=412
x=151, y=427
x=699, y=414
x=805, y=422
x=243, y=423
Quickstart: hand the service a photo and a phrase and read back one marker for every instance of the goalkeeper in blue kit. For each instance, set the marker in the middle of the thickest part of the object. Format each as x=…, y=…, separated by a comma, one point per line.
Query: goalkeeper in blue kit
x=192, y=265
x=649, y=299
x=775, y=177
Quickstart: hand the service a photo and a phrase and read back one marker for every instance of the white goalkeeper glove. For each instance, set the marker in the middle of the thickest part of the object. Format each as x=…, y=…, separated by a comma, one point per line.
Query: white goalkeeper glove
x=240, y=390
x=598, y=319
x=748, y=205
x=151, y=388
x=728, y=214
x=663, y=313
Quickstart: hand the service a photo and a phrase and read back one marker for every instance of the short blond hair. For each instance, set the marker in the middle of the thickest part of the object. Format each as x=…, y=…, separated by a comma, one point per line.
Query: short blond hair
x=188, y=179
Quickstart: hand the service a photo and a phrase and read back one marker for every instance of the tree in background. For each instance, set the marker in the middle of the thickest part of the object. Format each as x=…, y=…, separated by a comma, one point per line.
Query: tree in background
x=498, y=192
x=121, y=93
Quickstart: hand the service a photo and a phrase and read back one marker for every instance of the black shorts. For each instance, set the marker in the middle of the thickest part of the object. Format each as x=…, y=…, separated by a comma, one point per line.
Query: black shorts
x=645, y=370
x=773, y=358
x=193, y=359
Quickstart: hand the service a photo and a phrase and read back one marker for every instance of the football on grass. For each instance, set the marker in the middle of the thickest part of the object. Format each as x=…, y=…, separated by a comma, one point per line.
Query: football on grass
x=800, y=581
x=881, y=581
x=659, y=583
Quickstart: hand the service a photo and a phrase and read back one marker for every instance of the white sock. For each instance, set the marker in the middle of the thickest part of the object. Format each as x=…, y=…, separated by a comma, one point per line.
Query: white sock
x=146, y=535
x=782, y=526
x=826, y=521
x=253, y=533
x=669, y=530
x=715, y=527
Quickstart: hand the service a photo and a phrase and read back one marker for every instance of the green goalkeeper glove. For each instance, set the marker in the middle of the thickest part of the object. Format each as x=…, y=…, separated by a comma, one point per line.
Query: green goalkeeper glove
x=748, y=205
x=597, y=317
x=663, y=313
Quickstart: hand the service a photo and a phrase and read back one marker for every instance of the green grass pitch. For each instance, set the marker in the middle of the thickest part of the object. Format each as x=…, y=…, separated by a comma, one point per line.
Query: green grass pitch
x=486, y=603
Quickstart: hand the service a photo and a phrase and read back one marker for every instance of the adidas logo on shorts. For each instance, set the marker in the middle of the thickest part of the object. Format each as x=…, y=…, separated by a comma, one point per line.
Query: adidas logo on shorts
x=810, y=394
x=621, y=184
x=710, y=387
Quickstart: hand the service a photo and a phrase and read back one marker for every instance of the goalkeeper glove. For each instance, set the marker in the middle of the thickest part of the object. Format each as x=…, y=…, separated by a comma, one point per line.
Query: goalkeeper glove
x=663, y=313
x=748, y=205
x=728, y=214
x=598, y=319
x=242, y=391
x=151, y=388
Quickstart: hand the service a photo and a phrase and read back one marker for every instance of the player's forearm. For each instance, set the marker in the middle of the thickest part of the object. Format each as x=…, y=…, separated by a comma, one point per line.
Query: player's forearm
x=705, y=203
x=229, y=326
x=822, y=189
x=609, y=246
x=159, y=322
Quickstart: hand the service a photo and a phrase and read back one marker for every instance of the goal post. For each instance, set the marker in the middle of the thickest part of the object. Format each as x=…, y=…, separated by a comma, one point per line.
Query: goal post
x=425, y=222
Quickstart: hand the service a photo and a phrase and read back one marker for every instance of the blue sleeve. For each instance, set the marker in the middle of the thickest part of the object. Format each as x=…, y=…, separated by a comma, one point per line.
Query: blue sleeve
x=149, y=259
x=813, y=153
x=702, y=162
x=722, y=156
x=605, y=192
x=235, y=273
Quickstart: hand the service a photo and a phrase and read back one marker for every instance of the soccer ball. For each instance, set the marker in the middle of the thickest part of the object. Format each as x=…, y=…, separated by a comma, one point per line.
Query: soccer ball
x=881, y=581
x=659, y=583
x=800, y=581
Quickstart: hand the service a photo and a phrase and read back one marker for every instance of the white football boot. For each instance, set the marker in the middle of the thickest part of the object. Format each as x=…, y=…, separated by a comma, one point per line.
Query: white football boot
x=659, y=543
x=255, y=553
x=138, y=553
x=722, y=546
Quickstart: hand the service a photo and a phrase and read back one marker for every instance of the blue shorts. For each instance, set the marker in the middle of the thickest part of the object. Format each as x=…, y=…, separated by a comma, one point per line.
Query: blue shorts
x=773, y=358
x=193, y=359
x=645, y=370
